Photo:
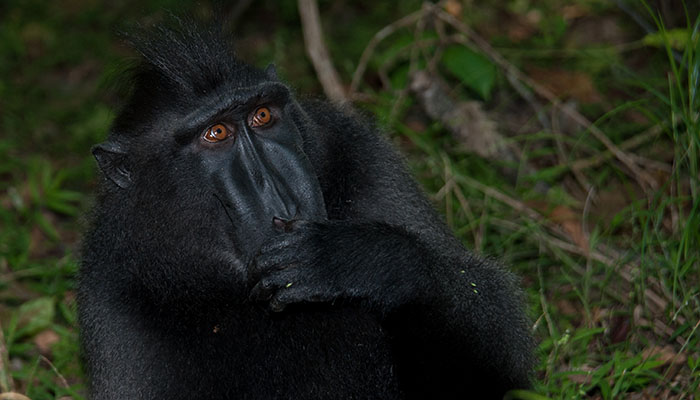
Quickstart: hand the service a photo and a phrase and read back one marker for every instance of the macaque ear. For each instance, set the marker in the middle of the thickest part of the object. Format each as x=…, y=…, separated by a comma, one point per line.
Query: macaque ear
x=271, y=71
x=111, y=157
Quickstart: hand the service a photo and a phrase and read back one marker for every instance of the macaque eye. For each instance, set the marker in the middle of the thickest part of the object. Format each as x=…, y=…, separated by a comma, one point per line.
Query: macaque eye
x=260, y=117
x=216, y=133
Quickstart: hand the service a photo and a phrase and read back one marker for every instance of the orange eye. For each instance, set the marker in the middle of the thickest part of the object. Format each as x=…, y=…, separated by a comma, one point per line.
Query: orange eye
x=216, y=133
x=261, y=117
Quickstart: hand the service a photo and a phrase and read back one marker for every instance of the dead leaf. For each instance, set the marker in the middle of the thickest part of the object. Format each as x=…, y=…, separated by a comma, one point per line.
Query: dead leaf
x=567, y=219
x=534, y=17
x=522, y=27
x=599, y=314
x=39, y=243
x=415, y=124
x=612, y=200
x=454, y=8
x=581, y=379
x=567, y=308
x=672, y=361
x=620, y=327
x=636, y=117
x=584, y=376
x=566, y=84
x=666, y=355
x=44, y=340
x=13, y=396
x=570, y=222
x=599, y=30
x=69, y=297
x=573, y=11
x=36, y=38
x=475, y=130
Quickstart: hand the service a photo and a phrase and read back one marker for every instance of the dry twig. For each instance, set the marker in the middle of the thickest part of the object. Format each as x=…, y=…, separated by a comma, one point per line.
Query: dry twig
x=13, y=396
x=5, y=378
x=316, y=48
x=376, y=39
x=628, y=144
x=60, y=376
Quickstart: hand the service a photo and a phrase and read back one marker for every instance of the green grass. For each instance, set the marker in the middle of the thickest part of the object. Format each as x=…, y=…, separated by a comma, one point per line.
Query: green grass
x=610, y=263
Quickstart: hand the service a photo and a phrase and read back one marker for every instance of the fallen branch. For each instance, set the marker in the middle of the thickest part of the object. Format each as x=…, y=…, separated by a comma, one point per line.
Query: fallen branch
x=317, y=51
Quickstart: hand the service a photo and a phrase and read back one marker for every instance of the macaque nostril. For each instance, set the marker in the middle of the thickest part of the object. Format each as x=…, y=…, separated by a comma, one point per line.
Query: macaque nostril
x=285, y=225
x=279, y=222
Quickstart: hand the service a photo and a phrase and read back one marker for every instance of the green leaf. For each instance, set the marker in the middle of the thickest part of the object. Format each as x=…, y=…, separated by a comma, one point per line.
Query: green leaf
x=399, y=76
x=46, y=226
x=548, y=174
x=474, y=70
x=520, y=394
x=35, y=315
x=605, y=389
x=677, y=38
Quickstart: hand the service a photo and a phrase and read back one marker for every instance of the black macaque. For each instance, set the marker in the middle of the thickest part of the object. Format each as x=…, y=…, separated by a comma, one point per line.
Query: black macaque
x=247, y=245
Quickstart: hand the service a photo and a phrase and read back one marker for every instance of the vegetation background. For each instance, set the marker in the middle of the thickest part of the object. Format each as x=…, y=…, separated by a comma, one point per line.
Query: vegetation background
x=560, y=136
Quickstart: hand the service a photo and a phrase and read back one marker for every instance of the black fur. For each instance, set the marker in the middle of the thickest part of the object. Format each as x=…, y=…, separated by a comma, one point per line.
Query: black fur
x=372, y=297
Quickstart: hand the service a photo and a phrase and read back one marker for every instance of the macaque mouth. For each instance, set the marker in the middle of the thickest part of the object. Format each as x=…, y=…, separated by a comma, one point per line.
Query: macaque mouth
x=250, y=231
x=280, y=220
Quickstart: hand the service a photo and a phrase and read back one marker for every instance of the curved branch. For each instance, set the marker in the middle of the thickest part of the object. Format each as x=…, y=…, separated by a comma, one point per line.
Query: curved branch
x=317, y=51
